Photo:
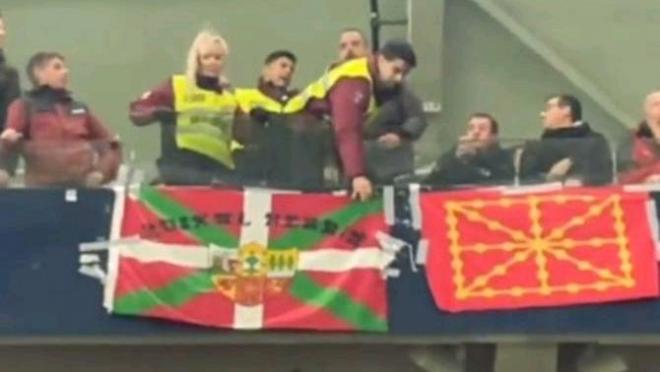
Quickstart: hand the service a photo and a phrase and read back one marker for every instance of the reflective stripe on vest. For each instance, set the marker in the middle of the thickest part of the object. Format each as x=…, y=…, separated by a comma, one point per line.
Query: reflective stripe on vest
x=204, y=120
x=249, y=99
x=356, y=68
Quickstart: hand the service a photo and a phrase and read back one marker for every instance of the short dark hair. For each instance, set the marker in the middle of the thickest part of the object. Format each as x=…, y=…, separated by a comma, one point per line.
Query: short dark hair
x=280, y=54
x=399, y=49
x=39, y=60
x=494, y=125
x=567, y=100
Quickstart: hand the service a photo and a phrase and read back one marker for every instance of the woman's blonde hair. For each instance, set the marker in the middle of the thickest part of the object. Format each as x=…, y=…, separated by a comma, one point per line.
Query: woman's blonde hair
x=192, y=63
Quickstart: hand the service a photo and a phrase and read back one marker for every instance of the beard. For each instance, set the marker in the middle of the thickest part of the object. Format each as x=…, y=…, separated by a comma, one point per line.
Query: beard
x=349, y=55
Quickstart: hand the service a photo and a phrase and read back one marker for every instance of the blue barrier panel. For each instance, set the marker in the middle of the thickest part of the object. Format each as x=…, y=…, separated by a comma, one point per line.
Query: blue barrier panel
x=413, y=312
x=42, y=294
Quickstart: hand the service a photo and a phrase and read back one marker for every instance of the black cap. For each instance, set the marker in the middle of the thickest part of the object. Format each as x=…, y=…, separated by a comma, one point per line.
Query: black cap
x=399, y=49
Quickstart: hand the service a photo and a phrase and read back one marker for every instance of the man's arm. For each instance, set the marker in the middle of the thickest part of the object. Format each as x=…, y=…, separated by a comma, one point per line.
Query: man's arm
x=599, y=171
x=154, y=105
x=13, y=86
x=451, y=169
x=16, y=122
x=415, y=120
x=11, y=89
x=108, y=149
x=349, y=101
x=15, y=125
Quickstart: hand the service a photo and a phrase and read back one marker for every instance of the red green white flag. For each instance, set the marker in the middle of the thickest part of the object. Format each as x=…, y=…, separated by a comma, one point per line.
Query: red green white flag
x=250, y=260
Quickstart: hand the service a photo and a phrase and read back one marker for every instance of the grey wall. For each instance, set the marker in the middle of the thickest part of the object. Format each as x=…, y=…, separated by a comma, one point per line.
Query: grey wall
x=489, y=69
x=118, y=49
x=469, y=60
x=611, y=42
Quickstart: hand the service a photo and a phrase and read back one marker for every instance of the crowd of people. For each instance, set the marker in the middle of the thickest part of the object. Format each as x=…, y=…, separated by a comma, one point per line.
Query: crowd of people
x=355, y=126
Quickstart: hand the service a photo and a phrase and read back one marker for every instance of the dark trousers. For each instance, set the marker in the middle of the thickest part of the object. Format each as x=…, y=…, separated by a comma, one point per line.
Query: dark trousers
x=283, y=158
x=188, y=168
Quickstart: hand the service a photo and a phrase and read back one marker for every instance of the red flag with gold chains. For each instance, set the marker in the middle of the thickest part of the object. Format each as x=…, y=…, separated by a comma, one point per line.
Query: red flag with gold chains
x=490, y=250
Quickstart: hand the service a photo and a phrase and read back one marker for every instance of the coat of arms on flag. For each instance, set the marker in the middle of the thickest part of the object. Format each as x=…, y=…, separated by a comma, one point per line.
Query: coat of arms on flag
x=250, y=260
x=493, y=251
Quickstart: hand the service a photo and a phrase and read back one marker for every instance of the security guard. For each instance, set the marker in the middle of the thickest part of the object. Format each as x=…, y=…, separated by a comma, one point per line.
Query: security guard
x=285, y=147
x=197, y=111
x=349, y=94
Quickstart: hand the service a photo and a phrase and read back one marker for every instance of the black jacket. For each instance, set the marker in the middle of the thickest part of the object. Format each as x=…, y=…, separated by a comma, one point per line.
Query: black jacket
x=491, y=166
x=9, y=87
x=588, y=150
x=399, y=111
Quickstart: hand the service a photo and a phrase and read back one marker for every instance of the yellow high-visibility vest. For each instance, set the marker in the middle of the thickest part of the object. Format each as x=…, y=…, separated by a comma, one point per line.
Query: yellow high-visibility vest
x=356, y=68
x=204, y=120
x=249, y=99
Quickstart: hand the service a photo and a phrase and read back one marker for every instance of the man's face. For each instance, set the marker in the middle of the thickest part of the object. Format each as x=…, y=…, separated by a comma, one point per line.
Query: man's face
x=352, y=45
x=555, y=115
x=3, y=32
x=479, y=132
x=652, y=108
x=391, y=72
x=53, y=73
x=279, y=72
x=211, y=59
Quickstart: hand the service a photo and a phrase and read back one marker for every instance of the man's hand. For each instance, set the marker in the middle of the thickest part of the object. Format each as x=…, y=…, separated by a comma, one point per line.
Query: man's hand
x=390, y=140
x=165, y=115
x=466, y=147
x=559, y=170
x=11, y=136
x=4, y=178
x=654, y=178
x=362, y=189
x=260, y=115
x=94, y=179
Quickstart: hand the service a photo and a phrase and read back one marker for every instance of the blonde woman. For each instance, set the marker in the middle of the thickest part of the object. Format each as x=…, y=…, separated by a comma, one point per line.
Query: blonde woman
x=196, y=111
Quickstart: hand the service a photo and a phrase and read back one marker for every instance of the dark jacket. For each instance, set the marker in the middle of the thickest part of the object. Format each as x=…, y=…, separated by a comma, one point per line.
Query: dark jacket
x=399, y=112
x=62, y=140
x=588, y=150
x=638, y=156
x=282, y=150
x=490, y=166
x=9, y=87
x=9, y=91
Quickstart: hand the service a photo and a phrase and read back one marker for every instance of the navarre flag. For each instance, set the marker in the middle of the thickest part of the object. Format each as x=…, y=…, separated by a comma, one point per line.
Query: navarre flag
x=496, y=251
x=250, y=260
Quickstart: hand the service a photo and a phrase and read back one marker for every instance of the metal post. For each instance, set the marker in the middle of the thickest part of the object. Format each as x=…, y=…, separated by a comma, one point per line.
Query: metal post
x=526, y=357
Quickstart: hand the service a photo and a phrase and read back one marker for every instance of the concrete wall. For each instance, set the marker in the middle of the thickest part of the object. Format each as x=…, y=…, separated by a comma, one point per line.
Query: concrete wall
x=612, y=43
x=469, y=60
x=487, y=68
x=119, y=49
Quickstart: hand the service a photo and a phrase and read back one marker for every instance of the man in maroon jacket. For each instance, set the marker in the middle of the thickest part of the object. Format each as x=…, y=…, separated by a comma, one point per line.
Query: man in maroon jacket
x=62, y=142
x=347, y=103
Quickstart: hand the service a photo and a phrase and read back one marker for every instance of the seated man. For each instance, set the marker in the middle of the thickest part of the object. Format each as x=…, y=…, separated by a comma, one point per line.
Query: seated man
x=569, y=150
x=478, y=157
x=62, y=142
x=639, y=155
